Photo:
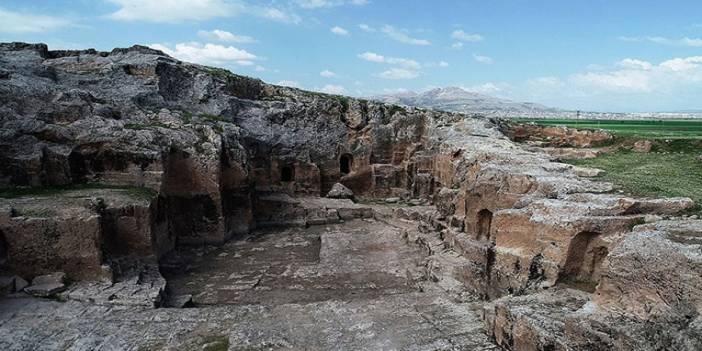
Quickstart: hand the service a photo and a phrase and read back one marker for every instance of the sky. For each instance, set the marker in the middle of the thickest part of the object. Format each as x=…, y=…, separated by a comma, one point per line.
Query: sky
x=593, y=55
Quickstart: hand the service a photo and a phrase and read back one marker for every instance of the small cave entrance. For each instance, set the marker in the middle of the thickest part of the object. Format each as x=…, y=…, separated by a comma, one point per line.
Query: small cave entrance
x=3, y=249
x=287, y=174
x=484, y=224
x=585, y=256
x=345, y=164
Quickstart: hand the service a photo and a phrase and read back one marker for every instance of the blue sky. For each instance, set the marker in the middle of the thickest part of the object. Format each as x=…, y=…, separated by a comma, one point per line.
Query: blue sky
x=601, y=55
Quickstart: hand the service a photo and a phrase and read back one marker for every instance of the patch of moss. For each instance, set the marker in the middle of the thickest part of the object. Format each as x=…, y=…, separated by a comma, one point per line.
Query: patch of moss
x=393, y=109
x=139, y=193
x=578, y=284
x=187, y=117
x=638, y=221
x=219, y=72
x=344, y=101
x=216, y=343
x=34, y=213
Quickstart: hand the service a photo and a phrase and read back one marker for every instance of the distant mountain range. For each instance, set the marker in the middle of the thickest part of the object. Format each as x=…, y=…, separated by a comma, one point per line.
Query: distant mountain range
x=455, y=99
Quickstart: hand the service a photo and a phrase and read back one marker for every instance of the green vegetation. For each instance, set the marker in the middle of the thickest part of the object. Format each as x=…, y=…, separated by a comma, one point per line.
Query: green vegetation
x=216, y=343
x=649, y=129
x=219, y=72
x=344, y=101
x=139, y=193
x=392, y=109
x=187, y=117
x=578, y=284
x=34, y=212
x=672, y=169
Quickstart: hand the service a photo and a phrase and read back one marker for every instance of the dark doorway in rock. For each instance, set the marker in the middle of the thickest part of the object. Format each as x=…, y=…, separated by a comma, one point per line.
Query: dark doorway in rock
x=287, y=173
x=345, y=163
x=3, y=249
x=585, y=256
x=484, y=224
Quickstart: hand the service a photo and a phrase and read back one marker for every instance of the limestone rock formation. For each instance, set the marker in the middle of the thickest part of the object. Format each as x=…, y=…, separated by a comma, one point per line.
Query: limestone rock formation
x=47, y=285
x=115, y=165
x=339, y=191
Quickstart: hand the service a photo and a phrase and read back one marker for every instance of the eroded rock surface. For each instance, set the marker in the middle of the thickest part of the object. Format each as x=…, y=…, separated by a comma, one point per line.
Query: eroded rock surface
x=152, y=182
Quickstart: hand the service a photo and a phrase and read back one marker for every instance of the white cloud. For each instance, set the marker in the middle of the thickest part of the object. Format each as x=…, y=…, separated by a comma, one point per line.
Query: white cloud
x=622, y=81
x=372, y=57
x=630, y=84
x=457, y=45
x=690, y=42
x=339, y=31
x=408, y=69
x=260, y=68
x=314, y=4
x=638, y=76
x=289, y=83
x=327, y=74
x=634, y=64
x=483, y=59
x=276, y=14
x=683, y=64
x=463, y=36
x=398, y=73
x=366, y=28
x=443, y=64
x=406, y=63
x=173, y=10
x=333, y=89
x=208, y=54
x=222, y=35
x=15, y=22
x=402, y=36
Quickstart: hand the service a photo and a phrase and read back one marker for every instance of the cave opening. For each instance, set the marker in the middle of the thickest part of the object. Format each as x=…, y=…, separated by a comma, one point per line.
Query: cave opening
x=484, y=223
x=287, y=173
x=3, y=249
x=345, y=164
x=584, y=258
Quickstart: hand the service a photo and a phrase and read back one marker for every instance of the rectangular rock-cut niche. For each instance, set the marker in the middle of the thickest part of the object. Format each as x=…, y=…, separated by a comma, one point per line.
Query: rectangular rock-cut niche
x=195, y=220
x=237, y=209
x=37, y=246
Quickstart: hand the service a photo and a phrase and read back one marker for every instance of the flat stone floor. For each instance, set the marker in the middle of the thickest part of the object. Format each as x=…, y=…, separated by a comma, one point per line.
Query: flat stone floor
x=350, y=286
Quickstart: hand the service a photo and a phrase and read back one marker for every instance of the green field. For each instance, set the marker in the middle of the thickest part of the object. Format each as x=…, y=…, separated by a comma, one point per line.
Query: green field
x=673, y=168
x=648, y=129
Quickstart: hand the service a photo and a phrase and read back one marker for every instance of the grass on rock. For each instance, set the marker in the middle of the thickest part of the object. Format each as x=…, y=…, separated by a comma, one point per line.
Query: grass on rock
x=672, y=170
x=139, y=193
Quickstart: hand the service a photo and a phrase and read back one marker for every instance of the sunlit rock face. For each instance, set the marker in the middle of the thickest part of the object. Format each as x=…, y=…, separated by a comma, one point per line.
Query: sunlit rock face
x=126, y=164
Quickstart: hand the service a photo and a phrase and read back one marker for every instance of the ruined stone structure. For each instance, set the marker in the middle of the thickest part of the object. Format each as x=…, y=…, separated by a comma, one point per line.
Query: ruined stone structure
x=136, y=159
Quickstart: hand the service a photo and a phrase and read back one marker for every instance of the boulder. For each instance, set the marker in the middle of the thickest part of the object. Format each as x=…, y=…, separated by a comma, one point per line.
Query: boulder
x=47, y=285
x=181, y=301
x=12, y=284
x=339, y=191
x=643, y=146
